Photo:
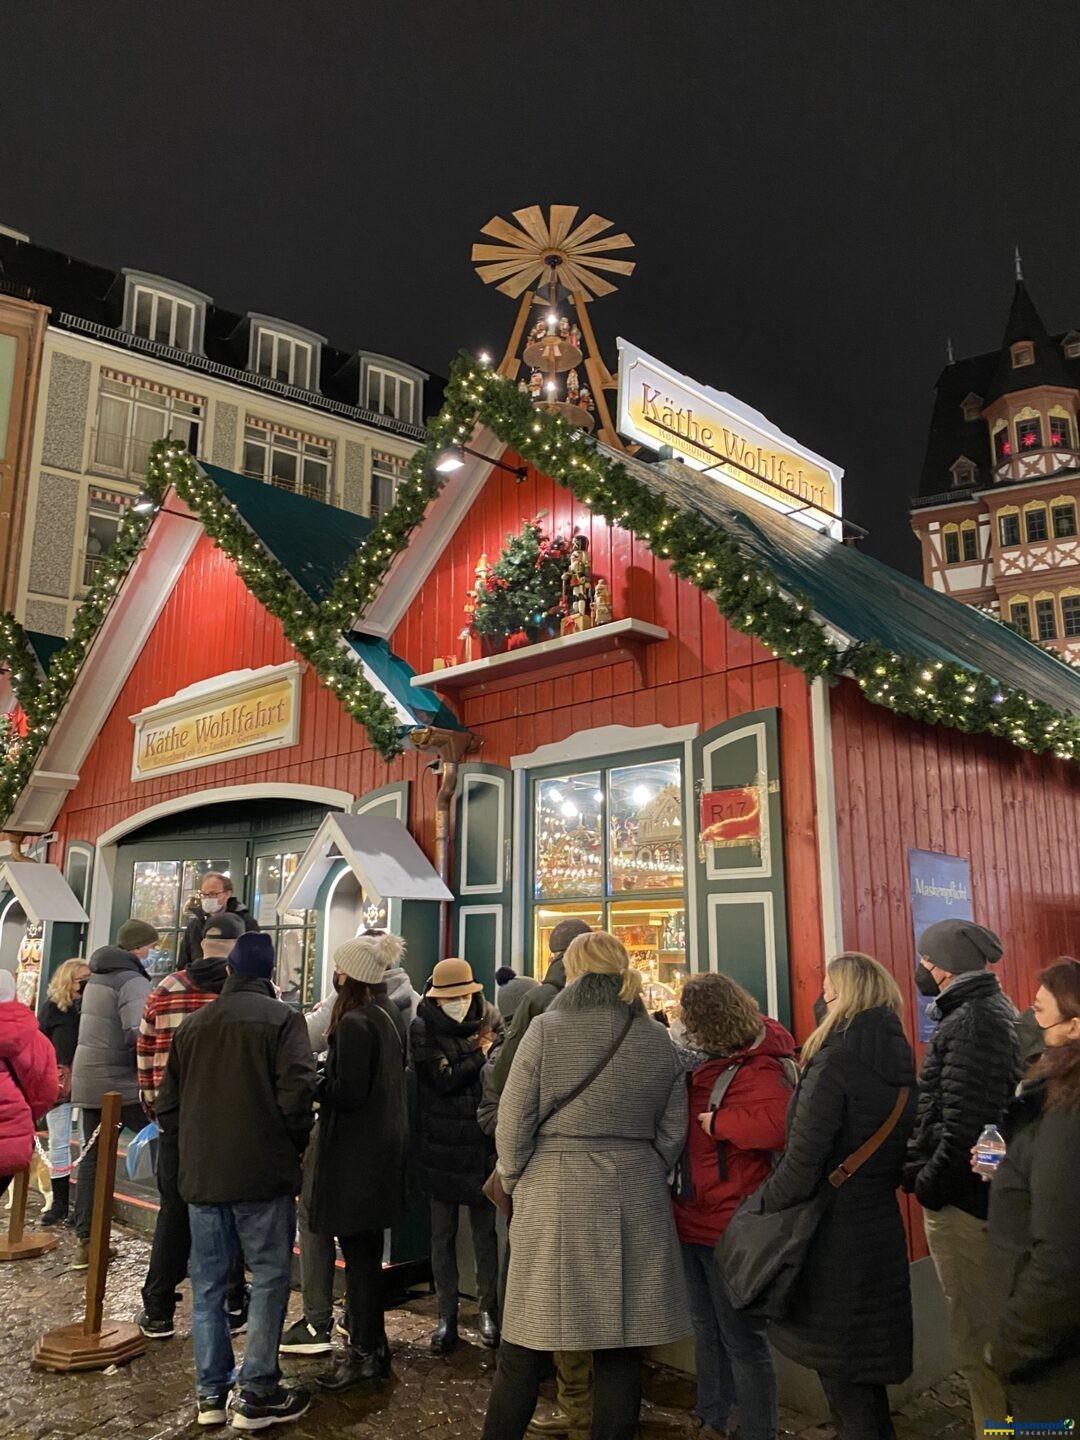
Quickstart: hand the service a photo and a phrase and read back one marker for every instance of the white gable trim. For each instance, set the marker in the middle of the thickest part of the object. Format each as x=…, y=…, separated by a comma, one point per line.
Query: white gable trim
x=430, y=538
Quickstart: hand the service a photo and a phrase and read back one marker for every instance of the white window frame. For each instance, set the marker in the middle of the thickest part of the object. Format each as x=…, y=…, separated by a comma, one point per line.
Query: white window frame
x=111, y=508
x=302, y=446
x=383, y=374
x=157, y=299
x=128, y=467
x=382, y=464
x=297, y=349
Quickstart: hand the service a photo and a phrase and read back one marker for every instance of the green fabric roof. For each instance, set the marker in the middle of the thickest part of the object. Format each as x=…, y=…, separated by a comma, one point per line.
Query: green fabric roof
x=396, y=674
x=313, y=541
x=44, y=646
x=863, y=597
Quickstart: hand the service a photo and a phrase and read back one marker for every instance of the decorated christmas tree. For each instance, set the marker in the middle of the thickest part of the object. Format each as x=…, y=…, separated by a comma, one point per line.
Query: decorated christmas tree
x=524, y=589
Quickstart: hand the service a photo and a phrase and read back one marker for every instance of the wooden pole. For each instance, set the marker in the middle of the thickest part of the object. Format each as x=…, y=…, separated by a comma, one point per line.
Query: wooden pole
x=96, y=1343
x=18, y=1245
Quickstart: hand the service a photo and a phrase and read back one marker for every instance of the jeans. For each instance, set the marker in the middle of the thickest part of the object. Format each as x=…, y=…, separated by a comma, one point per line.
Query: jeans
x=616, y=1392
x=132, y=1118
x=364, y=1285
x=318, y=1253
x=444, y=1268
x=859, y=1412
x=961, y=1258
x=263, y=1230
x=733, y=1357
x=171, y=1248
x=58, y=1121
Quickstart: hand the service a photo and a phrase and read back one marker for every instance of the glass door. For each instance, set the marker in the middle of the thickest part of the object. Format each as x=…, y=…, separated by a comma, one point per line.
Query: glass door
x=293, y=931
x=160, y=881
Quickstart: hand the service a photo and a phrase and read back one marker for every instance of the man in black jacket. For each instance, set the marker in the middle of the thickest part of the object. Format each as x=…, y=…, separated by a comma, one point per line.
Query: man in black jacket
x=969, y=1071
x=216, y=897
x=239, y=1087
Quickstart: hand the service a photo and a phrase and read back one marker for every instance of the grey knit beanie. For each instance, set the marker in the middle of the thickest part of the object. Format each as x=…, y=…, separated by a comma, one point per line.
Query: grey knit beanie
x=960, y=946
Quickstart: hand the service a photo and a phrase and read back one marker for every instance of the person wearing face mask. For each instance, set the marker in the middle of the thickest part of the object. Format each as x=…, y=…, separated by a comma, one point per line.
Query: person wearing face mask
x=453, y=1032
x=216, y=897
x=112, y=1006
x=1033, y=1234
x=969, y=1071
x=59, y=1021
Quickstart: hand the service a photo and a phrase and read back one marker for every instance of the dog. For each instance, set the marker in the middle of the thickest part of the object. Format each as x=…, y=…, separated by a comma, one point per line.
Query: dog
x=39, y=1179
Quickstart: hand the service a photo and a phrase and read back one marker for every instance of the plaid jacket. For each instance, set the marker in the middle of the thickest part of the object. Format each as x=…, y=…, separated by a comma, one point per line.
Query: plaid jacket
x=176, y=997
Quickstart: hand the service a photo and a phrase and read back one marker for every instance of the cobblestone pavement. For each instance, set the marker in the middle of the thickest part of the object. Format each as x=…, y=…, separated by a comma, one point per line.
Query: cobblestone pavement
x=431, y=1399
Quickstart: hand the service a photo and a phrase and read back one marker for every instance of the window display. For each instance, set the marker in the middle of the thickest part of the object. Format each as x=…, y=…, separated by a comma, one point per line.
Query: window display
x=293, y=931
x=164, y=893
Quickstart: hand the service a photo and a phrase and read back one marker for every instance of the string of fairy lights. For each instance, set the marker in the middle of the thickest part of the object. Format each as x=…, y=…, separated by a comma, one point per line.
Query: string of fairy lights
x=698, y=550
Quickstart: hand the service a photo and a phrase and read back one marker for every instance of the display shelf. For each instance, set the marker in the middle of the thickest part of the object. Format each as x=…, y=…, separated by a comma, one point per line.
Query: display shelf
x=602, y=640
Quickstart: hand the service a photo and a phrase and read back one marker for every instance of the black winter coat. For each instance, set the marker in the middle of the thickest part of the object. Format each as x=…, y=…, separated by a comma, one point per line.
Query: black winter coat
x=969, y=1071
x=1035, y=1253
x=62, y=1028
x=359, y=1180
x=456, y=1157
x=238, y=1091
x=852, y=1312
x=191, y=940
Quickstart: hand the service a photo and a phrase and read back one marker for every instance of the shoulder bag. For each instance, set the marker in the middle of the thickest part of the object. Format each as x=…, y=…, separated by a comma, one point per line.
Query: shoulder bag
x=761, y=1254
x=492, y=1188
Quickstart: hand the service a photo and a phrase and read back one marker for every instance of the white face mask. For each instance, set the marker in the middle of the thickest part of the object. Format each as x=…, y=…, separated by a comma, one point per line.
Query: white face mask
x=211, y=904
x=457, y=1009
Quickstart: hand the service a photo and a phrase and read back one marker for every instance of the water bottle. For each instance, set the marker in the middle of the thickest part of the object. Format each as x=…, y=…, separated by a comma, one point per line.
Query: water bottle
x=989, y=1152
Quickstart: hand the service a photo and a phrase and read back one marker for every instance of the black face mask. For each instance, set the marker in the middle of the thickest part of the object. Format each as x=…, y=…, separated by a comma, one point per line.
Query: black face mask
x=338, y=981
x=926, y=984
x=83, y=984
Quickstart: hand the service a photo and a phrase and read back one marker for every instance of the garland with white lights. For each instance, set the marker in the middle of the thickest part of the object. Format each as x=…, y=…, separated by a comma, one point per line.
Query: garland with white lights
x=744, y=590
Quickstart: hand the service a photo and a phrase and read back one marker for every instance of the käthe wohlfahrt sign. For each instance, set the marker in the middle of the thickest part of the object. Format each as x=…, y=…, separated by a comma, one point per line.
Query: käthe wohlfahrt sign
x=711, y=430
x=233, y=715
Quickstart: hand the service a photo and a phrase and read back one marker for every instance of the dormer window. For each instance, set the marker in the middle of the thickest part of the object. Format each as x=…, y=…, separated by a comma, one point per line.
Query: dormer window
x=284, y=352
x=166, y=313
x=972, y=407
x=963, y=471
x=1071, y=345
x=390, y=388
x=1023, y=354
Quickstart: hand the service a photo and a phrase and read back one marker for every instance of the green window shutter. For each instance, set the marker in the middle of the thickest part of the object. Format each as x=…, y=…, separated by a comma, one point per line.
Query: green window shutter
x=740, y=901
x=482, y=870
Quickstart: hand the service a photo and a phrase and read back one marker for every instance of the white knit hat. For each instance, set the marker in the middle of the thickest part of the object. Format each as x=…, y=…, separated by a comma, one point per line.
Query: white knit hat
x=368, y=957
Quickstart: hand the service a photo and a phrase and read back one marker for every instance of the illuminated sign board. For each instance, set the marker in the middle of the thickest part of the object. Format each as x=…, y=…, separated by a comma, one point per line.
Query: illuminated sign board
x=711, y=430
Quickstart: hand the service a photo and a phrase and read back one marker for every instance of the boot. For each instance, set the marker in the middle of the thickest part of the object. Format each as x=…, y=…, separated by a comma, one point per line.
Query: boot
x=444, y=1338
x=489, y=1330
x=357, y=1367
x=57, y=1212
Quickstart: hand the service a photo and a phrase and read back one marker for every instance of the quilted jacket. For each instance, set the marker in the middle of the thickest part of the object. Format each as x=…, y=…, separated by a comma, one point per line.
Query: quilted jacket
x=28, y=1083
x=970, y=1070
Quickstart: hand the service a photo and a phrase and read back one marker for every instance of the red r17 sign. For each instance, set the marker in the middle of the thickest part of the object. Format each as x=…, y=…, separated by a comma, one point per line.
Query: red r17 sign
x=731, y=817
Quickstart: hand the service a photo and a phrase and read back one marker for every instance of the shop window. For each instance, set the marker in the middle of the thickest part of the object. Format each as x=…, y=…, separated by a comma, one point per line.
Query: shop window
x=1060, y=432
x=952, y=547
x=1009, y=529
x=133, y=413
x=1035, y=524
x=104, y=514
x=1023, y=354
x=1064, y=517
x=288, y=459
x=1045, y=620
x=1002, y=444
x=293, y=932
x=969, y=541
x=1029, y=433
x=387, y=473
x=165, y=318
x=1070, y=616
x=165, y=893
x=1020, y=617
x=283, y=357
x=388, y=393
x=610, y=840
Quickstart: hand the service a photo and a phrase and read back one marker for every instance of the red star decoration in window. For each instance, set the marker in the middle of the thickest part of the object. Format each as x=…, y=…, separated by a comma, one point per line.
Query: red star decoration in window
x=1029, y=440
x=1006, y=448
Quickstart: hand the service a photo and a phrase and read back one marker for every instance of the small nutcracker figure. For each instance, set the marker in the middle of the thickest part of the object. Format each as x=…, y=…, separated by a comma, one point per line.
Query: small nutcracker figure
x=602, y=614
x=585, y=399
x=539, y=330
x=523, y=385
x=575, y=336
x=564, y=328
x=573, y=387
x=536, y=384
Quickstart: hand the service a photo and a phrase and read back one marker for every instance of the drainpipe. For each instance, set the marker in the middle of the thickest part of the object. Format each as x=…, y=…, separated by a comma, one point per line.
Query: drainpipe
x=449, y=747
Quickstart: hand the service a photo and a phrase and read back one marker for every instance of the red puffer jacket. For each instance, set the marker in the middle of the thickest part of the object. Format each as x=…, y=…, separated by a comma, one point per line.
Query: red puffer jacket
x=747, y=1128
x=28, y=1083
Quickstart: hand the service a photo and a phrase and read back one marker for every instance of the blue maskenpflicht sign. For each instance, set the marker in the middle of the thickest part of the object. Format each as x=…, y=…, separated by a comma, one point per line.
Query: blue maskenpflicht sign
x=940, y=890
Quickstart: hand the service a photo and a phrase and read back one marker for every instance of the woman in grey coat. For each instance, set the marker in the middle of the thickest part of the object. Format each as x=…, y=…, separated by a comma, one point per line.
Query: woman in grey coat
x=595, y=1263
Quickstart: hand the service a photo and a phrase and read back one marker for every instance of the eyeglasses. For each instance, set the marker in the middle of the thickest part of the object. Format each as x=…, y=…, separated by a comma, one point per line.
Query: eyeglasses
x=211, y=894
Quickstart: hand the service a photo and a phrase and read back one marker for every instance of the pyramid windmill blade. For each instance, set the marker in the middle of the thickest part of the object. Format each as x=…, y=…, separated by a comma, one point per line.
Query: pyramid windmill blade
x=616, y=267
x=518, y=286
x=562, y=217
x=609, y=242
x=504, y=270
x=531, y=220
x=586, y=281
x=503, y=252
x=585, y=231
x=501, y=229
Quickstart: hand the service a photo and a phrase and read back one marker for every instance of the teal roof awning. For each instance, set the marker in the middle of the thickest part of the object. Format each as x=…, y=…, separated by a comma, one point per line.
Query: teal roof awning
x=394, y=675
x=44, y=647
x=313, y=541
x=862, y=597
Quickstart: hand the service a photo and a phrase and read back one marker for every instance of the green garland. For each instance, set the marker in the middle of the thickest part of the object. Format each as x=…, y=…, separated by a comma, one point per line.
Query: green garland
x=744, y=590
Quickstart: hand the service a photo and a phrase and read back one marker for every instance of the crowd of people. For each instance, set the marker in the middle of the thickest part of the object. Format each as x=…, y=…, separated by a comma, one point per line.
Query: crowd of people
x=636, y=1163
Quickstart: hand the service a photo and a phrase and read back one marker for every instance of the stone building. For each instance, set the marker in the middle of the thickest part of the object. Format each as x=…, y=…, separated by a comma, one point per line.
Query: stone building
x=96, y=364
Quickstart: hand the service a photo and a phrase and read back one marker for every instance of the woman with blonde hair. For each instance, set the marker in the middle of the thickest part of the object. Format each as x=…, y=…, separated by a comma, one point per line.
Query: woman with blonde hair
x=851, y=1316
x=59, y=1023
x=592, y=1118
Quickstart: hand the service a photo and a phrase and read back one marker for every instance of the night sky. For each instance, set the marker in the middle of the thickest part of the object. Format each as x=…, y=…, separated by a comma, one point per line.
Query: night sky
x=819, y=192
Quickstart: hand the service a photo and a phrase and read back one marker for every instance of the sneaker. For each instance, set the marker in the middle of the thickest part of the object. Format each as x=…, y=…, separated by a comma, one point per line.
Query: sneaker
x=155, y=1329
x=82, y=1255
x=303, y=1339
x=214, y=1409
x=257, y=1412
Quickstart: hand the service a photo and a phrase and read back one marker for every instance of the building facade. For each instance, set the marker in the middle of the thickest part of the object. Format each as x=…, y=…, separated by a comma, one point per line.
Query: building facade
x=996, y=515
x=96, y=365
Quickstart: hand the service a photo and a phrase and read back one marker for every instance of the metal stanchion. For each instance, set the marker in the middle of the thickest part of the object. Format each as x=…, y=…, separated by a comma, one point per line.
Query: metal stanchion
x=96, y=1343
x=18, y=1245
